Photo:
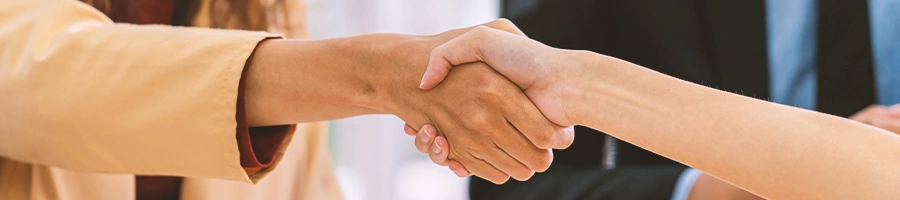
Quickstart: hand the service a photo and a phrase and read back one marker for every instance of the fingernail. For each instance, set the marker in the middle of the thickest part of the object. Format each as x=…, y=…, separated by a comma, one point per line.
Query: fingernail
x=436, y=148
x=425, y=76
x=426, y=137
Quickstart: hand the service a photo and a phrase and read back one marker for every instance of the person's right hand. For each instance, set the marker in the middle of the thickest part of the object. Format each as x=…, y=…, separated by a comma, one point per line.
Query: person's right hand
x=494, y=128
x=531, y=65
x=527, y=63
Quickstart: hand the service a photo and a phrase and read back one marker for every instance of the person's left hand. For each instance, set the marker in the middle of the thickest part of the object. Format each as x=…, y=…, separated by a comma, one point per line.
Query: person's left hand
x=885, y=117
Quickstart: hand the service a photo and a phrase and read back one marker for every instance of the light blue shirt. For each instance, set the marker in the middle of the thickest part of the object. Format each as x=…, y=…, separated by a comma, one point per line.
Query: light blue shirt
x=791, y=32
x=792, y=46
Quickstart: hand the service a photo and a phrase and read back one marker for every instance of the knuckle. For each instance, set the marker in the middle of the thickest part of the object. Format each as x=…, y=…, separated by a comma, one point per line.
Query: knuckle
x=505, y=25
x=477, y=152
x=543, y=140
x=543, y=161
x=523, y=175
x=477, y=121
x=423, y=148
x=491, y=90
x=501, y=23
x=487, y=99
x=486, y=84
x=467, y=154
x=567, y=137
x=439, y=160
x=481, y=28
x=479, y=34
x=500, y=180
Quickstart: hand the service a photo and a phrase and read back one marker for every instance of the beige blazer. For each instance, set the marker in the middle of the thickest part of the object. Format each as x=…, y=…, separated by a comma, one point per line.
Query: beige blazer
x=85, y=104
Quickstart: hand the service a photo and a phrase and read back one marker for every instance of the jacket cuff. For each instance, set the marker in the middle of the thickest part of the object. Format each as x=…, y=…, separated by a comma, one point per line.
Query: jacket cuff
x=257, y=145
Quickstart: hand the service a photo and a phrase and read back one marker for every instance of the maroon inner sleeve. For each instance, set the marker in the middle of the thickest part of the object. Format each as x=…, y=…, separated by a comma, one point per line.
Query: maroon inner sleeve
x=257, y=149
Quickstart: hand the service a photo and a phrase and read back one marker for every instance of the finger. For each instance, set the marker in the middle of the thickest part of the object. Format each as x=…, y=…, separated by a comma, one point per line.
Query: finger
x=459, y=50
x=424, y=137
x=890, y=124
x=523, y=151
x=867, y=114
x=543, y=133
x=458, y=169
x=502, y=161
x=409, y=130
x=463, y=49
x=487, y=171
x=440, y=150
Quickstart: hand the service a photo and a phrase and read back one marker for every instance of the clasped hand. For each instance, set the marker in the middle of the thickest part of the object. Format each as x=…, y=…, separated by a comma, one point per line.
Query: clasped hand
x=495, y=130
x=532, y=66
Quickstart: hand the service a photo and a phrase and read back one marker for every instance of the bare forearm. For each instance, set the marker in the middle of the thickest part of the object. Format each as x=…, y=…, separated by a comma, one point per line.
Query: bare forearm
x=776, y=151
x=292, y=81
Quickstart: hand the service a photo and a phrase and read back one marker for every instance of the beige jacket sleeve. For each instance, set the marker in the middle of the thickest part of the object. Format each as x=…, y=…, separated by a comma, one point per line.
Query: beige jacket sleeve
x=82, y=93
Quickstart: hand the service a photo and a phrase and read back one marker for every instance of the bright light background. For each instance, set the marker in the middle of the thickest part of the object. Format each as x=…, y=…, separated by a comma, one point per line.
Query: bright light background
x=374, y=158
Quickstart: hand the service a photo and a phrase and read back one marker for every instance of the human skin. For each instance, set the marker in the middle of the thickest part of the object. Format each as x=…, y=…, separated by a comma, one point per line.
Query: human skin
x=707, y=187
x=293, y=81
x=774, y=151
x=885, y=117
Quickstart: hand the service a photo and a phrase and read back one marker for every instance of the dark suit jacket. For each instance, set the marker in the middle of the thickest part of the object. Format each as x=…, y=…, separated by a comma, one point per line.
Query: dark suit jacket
x=717, y=43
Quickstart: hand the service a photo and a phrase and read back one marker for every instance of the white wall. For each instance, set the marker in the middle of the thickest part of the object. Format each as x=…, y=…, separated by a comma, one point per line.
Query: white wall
x=374, y=158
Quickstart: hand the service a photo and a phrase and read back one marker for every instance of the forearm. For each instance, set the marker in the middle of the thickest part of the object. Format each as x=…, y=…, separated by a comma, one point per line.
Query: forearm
x=293, y=81
x=776, y=151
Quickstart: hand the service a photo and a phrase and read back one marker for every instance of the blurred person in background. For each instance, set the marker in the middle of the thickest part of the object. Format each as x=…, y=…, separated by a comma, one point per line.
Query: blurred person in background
x=99, y=104
x=837, y=57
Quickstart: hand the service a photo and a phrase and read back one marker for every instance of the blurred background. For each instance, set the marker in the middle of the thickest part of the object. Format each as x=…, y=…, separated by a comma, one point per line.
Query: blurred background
x=374, y=158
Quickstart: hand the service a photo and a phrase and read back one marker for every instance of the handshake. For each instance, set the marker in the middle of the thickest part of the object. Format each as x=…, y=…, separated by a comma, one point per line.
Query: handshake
x=497, y=113
x=489, y=101
x=478, y=121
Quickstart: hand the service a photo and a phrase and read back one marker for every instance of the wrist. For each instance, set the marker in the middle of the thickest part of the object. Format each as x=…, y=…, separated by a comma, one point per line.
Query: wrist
x=575, y=81
x=258, y=94
x=393, y=64
x=362, y=54
x=595, y=82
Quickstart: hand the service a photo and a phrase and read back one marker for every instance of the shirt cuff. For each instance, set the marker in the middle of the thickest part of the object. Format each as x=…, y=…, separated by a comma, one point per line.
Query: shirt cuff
x=257, y=145
x=685, y=184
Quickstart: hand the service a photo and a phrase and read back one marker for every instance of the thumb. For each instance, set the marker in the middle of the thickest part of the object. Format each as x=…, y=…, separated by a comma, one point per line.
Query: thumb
x=460, y=50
